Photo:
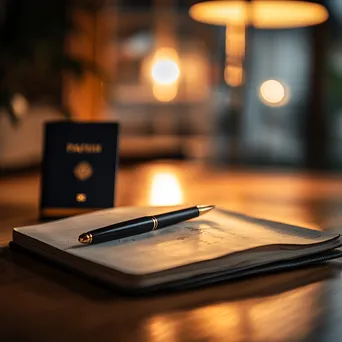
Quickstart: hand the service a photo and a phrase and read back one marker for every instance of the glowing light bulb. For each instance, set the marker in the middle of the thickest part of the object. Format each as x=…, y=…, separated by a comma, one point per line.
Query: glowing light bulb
x=165, y=71
x=273, y=93
x=266, y=14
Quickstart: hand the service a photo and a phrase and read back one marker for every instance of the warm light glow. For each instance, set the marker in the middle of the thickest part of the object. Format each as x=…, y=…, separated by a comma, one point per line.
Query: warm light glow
x=233, y=75
x=162, y=328
x=287, y=315
x=274, y=315
x=273, y=93
x=165, y=71
x=235, y=53
x=260, y=14
x=20, y=105
x=227, y=319
x=165, y=190
x=235, y=41
x=165, y=93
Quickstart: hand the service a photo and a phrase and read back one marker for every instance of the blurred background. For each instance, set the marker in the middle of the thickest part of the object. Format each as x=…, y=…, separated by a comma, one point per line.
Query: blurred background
x=230, y=83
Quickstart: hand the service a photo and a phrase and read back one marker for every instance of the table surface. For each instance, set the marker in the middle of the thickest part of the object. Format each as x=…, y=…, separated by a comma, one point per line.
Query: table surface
x=41, y=303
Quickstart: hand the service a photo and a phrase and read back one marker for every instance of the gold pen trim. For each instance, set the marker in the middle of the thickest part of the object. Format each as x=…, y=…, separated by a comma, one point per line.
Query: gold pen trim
x=155, y=223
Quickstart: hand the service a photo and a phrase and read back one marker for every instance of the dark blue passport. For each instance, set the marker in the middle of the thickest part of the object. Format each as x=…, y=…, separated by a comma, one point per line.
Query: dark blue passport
x=79, y=168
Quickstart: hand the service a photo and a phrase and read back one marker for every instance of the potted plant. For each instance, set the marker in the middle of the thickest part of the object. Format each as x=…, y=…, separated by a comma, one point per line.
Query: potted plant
x=33, y=64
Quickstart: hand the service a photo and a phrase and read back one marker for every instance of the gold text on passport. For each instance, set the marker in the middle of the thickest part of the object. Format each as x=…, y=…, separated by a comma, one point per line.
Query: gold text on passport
x=83, y=148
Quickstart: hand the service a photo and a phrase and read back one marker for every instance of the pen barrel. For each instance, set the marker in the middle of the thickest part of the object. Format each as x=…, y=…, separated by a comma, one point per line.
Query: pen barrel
x=122, y=230
x=177, y=216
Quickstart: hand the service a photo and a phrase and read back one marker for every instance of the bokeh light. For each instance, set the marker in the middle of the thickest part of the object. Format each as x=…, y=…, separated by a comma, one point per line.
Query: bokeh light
x=273, y=93
x=20, y=105
x=233, y=75
x=260, y=14
x=165, y=71
x=165, y=93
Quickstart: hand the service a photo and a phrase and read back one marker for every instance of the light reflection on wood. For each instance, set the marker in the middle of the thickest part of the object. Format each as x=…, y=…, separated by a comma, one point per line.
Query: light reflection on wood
x=274, y=318
x=278, y=318
x=162, y=329
x=296, y=198
x=165, y=189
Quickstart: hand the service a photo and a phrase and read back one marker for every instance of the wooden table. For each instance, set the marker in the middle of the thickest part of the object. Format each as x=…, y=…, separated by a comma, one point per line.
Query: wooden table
x=41, y=303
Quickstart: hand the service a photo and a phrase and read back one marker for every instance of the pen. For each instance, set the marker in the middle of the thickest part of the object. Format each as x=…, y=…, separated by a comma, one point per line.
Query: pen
x=142, y=225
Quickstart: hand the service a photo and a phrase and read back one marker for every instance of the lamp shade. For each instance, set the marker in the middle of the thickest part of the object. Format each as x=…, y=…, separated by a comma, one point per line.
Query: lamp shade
x=259, y=13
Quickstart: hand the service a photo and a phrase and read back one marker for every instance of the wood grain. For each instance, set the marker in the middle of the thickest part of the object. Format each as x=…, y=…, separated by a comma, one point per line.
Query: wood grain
x=42, y=303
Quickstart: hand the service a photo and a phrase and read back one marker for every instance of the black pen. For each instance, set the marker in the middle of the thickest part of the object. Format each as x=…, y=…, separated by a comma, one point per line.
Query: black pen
x=142, y=225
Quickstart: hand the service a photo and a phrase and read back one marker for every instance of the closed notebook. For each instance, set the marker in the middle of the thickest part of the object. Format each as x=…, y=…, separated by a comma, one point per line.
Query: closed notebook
x=218, y=246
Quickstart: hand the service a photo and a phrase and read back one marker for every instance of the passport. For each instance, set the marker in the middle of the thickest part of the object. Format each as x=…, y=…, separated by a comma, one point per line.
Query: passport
x=79, y=168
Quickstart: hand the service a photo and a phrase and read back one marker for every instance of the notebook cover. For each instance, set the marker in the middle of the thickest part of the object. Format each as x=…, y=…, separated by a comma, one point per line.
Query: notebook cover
x=79, y=168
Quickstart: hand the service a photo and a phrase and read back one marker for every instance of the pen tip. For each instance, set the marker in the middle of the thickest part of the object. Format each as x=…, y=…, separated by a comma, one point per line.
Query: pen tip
x=204, y=208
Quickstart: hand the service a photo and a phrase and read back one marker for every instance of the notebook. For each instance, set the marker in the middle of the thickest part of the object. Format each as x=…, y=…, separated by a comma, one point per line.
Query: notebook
x=218, y=246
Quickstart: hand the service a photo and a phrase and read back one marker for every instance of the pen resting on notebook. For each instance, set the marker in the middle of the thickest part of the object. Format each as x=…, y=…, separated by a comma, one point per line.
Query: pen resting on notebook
x=142, y=225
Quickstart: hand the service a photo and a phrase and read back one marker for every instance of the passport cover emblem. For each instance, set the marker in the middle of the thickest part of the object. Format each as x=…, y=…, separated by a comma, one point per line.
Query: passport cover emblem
x=83, y=171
